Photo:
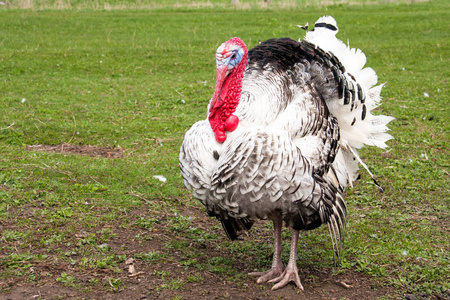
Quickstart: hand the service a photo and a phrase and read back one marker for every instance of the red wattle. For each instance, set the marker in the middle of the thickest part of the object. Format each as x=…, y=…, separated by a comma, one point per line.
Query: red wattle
x=231, y=123
x=220, y=137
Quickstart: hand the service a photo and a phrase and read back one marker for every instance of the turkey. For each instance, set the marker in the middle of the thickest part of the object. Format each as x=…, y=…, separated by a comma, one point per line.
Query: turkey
x=281, y=136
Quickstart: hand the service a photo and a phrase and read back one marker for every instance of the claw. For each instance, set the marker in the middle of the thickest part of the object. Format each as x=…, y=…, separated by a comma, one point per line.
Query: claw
x=290, y=274
x=268, y=275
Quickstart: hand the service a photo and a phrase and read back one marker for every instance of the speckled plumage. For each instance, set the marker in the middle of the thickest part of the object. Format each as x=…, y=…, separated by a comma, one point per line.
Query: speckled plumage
x=287, y=156
x=260, y=168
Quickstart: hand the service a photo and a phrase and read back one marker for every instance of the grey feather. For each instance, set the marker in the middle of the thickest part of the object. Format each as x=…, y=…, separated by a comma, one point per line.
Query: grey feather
x=281, y=158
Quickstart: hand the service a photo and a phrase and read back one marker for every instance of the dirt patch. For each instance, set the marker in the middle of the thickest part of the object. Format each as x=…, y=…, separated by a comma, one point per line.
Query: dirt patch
x=168, y=278
x=213, y=287
x=88, y=150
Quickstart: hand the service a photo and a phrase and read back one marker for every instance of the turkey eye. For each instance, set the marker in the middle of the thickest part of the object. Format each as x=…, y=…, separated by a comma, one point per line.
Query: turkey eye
x=233, y=56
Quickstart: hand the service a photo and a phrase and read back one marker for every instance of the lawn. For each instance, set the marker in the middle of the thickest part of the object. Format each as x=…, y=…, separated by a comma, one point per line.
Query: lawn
x=95, y=101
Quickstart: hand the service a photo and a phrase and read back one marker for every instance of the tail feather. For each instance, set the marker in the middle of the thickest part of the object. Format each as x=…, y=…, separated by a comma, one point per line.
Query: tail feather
x=233, y=227
x=358, y=126
x=336, y=225
x=357, y=123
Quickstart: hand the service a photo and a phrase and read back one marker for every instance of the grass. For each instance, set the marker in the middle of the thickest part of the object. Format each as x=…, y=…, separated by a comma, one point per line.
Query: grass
x=176, y=4
x=137, y=79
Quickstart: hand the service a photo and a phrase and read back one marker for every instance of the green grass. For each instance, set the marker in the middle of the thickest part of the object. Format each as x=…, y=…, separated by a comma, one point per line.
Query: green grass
x=176, y=4
x=138, y=79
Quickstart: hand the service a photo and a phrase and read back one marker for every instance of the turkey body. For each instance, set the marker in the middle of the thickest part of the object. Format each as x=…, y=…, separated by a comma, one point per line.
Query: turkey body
x=277, y=158
x=286, y=160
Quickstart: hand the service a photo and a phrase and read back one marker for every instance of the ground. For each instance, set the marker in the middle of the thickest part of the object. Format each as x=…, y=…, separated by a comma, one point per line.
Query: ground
x=146, y=280
x=349, y=286
x=109, y=152
x=167, y=275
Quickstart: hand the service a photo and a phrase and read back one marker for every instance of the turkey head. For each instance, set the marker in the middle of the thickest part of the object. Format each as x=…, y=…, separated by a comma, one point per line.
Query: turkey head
x=231, y=59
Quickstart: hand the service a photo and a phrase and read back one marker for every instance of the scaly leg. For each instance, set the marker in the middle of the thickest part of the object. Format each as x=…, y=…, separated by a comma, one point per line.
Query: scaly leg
x=277, y=266
x=291, y=271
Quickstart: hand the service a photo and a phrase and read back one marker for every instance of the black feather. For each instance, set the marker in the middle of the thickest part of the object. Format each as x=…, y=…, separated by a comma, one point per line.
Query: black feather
x=233, y=226
x=363, y=115
x=326, y=25
x=216, y=155
x=360, y=93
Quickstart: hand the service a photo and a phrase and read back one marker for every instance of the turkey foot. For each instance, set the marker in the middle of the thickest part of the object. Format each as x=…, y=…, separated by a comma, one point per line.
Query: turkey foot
x=277, y=266
x=289, y=274
x=272, y=274
x=291, y=271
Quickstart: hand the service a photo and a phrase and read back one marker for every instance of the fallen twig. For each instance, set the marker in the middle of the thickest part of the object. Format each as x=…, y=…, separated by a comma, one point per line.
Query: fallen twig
x=7, y=127
x=345, y=285
x=138, y=196
x=136, y=274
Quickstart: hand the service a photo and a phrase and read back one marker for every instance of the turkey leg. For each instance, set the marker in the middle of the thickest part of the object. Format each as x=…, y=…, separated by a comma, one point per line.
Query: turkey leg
x=291, y=271
x=277, y=266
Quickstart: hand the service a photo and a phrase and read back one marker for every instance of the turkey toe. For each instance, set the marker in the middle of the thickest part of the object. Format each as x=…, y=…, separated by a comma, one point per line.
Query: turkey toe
x=287, y=276
x=268, y=275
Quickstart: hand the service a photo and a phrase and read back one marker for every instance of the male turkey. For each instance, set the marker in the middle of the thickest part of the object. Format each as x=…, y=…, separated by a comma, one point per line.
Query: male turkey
x=280, y=137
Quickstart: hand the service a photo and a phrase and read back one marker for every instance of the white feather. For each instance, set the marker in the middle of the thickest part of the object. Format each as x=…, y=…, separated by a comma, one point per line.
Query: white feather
x=370, y=131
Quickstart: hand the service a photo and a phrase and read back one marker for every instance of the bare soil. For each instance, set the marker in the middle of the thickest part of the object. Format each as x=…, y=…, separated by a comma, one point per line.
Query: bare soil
x=212, y=287
x=88, y=150
x=144, y=283
x=141, y=280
